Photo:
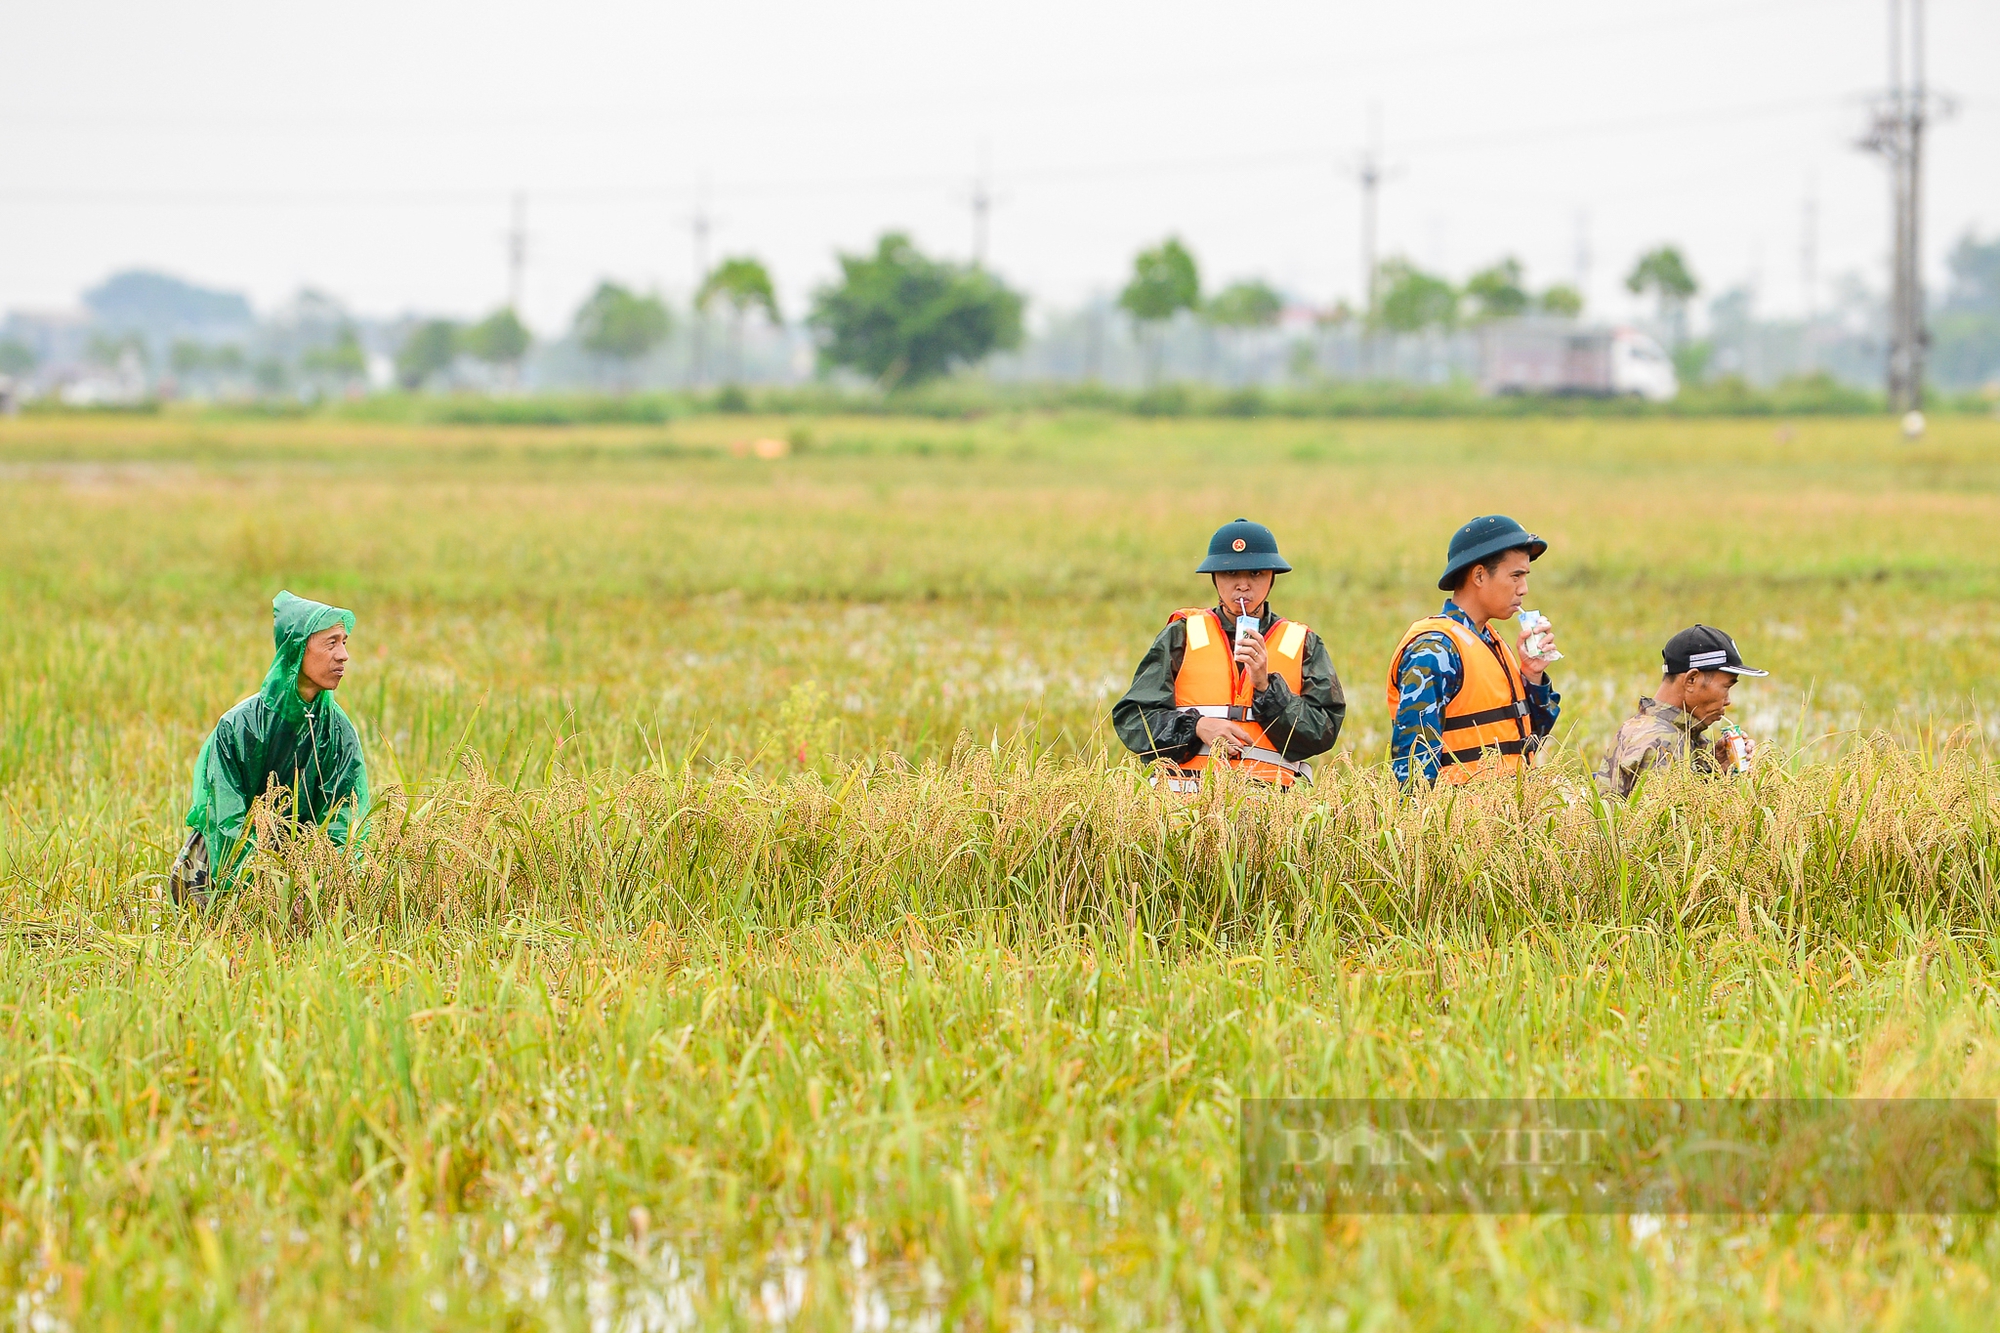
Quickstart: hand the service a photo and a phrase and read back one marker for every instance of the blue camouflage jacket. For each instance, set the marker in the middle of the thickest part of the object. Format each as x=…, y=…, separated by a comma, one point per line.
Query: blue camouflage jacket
x=1428, y=678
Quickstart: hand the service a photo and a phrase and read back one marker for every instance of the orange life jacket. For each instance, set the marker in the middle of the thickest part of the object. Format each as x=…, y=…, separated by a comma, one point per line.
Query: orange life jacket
x=1211, y=683
x=1486, y=728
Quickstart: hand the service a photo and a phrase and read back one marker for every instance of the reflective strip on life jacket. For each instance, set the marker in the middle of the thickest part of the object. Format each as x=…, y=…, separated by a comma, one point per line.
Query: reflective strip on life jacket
x=1258, y=754
x=1210, y=684
x=1486, y=726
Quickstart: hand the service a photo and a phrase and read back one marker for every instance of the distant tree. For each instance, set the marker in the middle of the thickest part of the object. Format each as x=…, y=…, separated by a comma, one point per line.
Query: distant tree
x=1966, y=328
x=1413, y=300
x=619, y=325
x=342, y=359
x=1563, y=300
x=187, y=357
x=1326, y=323
x=16, y=357
x=1733, y=312
x=1302, y=359
x=271, y=375
x=428, y=350
x=903, y=318
x=1164, y=282
x=110, y=349
x=743, y=285
x=1691, y=360
x=1243, y=307
x=190, y=358
x=1498, y=292
x=501, y=339
x=1663, y=272
x=1975, y=275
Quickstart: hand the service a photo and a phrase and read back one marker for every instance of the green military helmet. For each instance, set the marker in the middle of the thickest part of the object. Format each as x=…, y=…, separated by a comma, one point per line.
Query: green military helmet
x=1482, y=539
x=1242, y=545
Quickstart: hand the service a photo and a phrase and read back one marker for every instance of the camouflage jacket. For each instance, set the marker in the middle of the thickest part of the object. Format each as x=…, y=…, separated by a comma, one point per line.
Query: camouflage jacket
x=1657, y=733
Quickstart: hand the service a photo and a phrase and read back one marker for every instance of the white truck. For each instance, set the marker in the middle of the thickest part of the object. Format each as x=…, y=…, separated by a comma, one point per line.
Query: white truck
x=1561, y=358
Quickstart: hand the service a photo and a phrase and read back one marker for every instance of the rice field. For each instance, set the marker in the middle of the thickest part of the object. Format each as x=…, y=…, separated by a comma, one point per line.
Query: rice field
x=760, y=928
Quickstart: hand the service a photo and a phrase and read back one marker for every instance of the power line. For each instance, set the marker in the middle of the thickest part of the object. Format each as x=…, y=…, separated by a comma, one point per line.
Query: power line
x=1055, y=173
x=511, y=120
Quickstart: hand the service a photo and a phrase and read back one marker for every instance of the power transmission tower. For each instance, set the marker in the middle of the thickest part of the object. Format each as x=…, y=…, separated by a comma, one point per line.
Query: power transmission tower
x=982, y=204
x=1093, y=341
x=1898, y=135
x=517, y=253
x=1581, y=257
x=700, y=224
x=1370, y=172
x=984, y=199
x=1809, y=272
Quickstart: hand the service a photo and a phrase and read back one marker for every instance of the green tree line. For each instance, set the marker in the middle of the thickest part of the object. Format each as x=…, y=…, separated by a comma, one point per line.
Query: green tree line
x=899, y=317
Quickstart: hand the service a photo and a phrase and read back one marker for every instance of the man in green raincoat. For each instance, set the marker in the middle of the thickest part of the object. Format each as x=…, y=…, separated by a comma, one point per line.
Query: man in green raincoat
x=290, y=734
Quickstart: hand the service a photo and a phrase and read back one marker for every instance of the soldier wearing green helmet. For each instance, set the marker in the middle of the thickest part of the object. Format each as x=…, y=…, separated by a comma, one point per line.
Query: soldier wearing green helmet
x=1234, y=685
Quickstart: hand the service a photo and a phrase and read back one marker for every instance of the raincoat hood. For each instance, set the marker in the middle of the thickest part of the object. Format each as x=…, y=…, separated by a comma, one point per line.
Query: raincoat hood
x=293, y=621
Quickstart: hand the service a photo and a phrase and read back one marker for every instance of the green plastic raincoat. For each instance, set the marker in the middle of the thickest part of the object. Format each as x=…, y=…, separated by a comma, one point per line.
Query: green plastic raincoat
x=276, y=738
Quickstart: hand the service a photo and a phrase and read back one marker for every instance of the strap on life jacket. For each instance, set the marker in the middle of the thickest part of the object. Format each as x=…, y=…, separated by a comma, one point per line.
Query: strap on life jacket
x=1517, y=709
x=1259, y=755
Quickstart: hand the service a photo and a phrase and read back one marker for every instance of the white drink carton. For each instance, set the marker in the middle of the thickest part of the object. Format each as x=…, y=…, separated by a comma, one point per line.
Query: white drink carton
x=1536, y=626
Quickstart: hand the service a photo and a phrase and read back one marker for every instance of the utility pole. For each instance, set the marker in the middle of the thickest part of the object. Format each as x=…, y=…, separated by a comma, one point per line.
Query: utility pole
x=1093, y=341
x=1581, y=258
x=984, y=199
x=1809, y=272
x=982, y=205
x=1370, y=172
x=699, y=223
x=1916, y=337
x=1898, y=135
x=517, y=252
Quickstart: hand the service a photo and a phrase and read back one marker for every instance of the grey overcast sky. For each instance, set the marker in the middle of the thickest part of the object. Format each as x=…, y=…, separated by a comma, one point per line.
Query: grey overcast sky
x=369, y=149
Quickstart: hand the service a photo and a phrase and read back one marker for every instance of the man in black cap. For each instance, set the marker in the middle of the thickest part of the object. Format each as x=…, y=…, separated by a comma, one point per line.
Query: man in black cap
x=1464, y=703
x=1237, y=683
x=1702, y=665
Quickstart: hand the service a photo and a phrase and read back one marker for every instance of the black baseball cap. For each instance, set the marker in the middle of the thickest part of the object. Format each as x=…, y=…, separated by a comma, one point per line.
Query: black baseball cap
x=1705, y=648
